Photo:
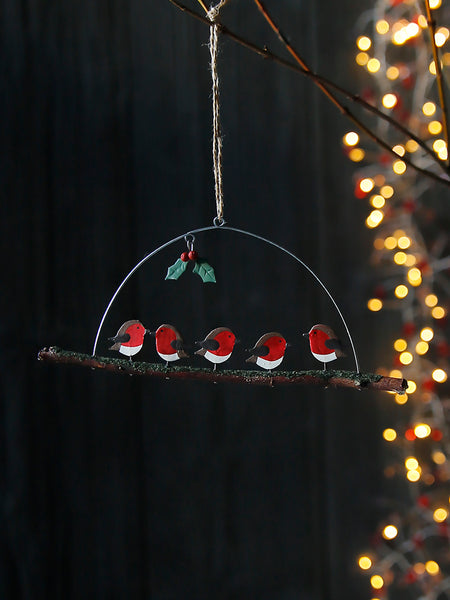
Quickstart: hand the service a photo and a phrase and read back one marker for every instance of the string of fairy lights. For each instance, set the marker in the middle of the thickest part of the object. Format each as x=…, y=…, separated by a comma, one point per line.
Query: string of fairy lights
x=410, y=553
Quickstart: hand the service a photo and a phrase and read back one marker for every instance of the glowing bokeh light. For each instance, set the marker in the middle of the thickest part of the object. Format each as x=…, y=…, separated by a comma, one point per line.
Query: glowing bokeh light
x=374, y=304
x=427, y=334
x=401, y=291
x=439, y=375
x=390, y=532
x=389, y=100
x=351, y=138
x=400, y=345
x=364, y=562
x=429, y=108
x=389, y=434
x=440, y=514
x=406, y=358
x=377, y=582
x=399, y=167
x=363, y=42
x=422, y=430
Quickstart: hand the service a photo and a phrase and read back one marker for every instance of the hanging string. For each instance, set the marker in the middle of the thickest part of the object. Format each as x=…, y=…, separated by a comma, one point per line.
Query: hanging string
x=213, y=13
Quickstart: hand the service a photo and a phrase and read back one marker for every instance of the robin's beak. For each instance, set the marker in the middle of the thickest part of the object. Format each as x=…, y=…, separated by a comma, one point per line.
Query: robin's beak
x=147, y=331
x=305, y=334
x=288, y=345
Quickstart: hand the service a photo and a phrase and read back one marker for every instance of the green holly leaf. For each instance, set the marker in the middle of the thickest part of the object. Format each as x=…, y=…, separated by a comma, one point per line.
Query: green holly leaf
x=205, y=271
x=176, y=270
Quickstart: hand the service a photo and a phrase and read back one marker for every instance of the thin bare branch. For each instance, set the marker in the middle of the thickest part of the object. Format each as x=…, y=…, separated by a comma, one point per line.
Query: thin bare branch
x=439, y=79
x=342, y=379
x=265, y=53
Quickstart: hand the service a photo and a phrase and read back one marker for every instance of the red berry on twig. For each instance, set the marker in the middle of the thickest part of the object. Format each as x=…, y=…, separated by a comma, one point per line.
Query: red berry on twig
x=185, y=256
x=192, y=255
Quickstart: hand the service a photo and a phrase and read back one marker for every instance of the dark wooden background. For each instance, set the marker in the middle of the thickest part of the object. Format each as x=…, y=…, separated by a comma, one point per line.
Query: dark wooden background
x=116, y=487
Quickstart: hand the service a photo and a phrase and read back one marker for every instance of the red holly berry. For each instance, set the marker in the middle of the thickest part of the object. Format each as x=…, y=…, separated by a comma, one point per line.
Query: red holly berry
x=185, y=256
x=193, y=255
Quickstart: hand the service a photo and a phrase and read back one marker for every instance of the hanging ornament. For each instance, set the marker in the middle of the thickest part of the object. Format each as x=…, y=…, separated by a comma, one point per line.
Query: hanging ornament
x=218, y=346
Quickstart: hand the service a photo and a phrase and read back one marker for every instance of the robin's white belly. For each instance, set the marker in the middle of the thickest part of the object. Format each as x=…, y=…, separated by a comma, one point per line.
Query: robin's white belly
x=325, y=357
x=169, y=357
x=130, y=350
x=268, y=364
x=214, y=358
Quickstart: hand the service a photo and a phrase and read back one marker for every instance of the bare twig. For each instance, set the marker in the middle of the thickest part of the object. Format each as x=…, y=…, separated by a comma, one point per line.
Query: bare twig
x=264, y=52
x=343, y=379
x=439, y=79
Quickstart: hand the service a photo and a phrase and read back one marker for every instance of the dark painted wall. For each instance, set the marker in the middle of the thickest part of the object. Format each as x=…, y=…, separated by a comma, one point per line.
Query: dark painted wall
x=124, y=488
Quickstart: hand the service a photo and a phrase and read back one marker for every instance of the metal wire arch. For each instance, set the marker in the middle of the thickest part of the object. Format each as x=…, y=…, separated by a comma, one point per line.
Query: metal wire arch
x=216, y=227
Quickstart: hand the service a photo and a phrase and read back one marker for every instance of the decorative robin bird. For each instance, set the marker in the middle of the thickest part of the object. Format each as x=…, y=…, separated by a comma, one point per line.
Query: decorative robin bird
x=169, y=343
x=268, y=351
x=324, y=344
x=129, y=339
x=218, y=345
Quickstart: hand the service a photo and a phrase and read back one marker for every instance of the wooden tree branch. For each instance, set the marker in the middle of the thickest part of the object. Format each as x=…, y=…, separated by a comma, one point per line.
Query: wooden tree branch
x=323, y=82
x=439, y=79
x=341, y=379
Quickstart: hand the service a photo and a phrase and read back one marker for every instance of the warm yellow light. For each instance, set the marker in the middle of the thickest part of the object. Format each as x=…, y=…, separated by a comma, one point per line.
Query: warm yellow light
x=435, y=127
x=414, y=276
x=362, y=58
x=374, y=304
x=422, y=430
x=389, y=434
x=366, y=184
x=377, y=201
x=438, y=312
x=419, y=568
x=410, y=260
x=431, y=300
x=399, y=167
x=440, y=514
x=390, y=532
x=401, y=398
x=422, y=348
x=377, y=582
x=396, y=373
x=413, y=476
x=406, y=358
x=390, y=242
x=400, y=345
x=387, y=191
x=429, y=108
x=411, y=463
x=382, y=26
x=422, y=21
x=389, y=100
x=364, y=562
x=432, y=67
x=399, y=258
x=374, y=219
x=373, y=65
x=356, y=154
x=446, y=59
x=432, y=567
x=401, y=291
x=439, y=145
x=439, y=375
x=411, y=30
x=443, y=153
x=399, y=150
x=435, y=4
x=404, y=242
x=399, y=37
x=411, y=146
x=427, y=334
x=363, y=42
x=351, y=138
x=412, y=387
x=439, y=38
x=398, y=233
x=438, y=457
x=392, y=73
